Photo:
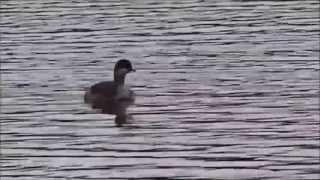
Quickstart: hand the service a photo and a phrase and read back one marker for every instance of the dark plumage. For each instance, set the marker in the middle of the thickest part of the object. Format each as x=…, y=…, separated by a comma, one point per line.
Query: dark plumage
x=105, y=88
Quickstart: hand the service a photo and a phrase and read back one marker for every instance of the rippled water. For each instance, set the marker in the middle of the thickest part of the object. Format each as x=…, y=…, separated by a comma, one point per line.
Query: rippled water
x=225, y=89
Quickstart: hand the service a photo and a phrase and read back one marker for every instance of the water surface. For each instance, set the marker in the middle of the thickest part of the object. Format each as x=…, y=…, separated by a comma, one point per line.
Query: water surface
x=225, y=89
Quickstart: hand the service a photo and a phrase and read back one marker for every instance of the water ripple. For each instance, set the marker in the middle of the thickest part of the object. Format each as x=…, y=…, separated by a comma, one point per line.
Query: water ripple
x=225, y=89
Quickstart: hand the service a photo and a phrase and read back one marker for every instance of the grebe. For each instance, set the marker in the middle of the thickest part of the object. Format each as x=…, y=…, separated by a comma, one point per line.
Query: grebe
x=111, y=95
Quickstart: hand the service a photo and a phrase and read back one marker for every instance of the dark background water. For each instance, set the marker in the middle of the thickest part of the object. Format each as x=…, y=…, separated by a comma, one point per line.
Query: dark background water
x=225, y=89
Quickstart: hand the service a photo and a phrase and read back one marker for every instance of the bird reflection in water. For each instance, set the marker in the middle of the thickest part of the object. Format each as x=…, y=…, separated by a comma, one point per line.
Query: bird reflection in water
x=113, y=97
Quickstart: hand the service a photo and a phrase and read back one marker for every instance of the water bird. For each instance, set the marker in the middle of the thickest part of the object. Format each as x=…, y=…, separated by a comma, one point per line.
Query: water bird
x=113, y=97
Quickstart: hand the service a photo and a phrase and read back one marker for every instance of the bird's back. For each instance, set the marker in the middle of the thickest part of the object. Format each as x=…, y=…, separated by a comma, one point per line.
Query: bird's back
x=108, y=97
x=107, y=89
x=101, y=92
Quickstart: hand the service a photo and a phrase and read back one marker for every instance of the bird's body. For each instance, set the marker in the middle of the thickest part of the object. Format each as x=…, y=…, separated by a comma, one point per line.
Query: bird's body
x=108, y=91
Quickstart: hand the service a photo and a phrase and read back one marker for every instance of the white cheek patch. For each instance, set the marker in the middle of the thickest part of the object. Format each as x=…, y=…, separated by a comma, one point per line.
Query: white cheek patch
x=122, y=71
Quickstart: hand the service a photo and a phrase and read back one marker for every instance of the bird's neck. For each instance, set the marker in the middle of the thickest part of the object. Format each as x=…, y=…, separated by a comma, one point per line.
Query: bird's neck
x=119, y=79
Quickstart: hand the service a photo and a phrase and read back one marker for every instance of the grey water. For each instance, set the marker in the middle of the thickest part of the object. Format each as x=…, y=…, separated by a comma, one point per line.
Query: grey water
x=224, y=89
